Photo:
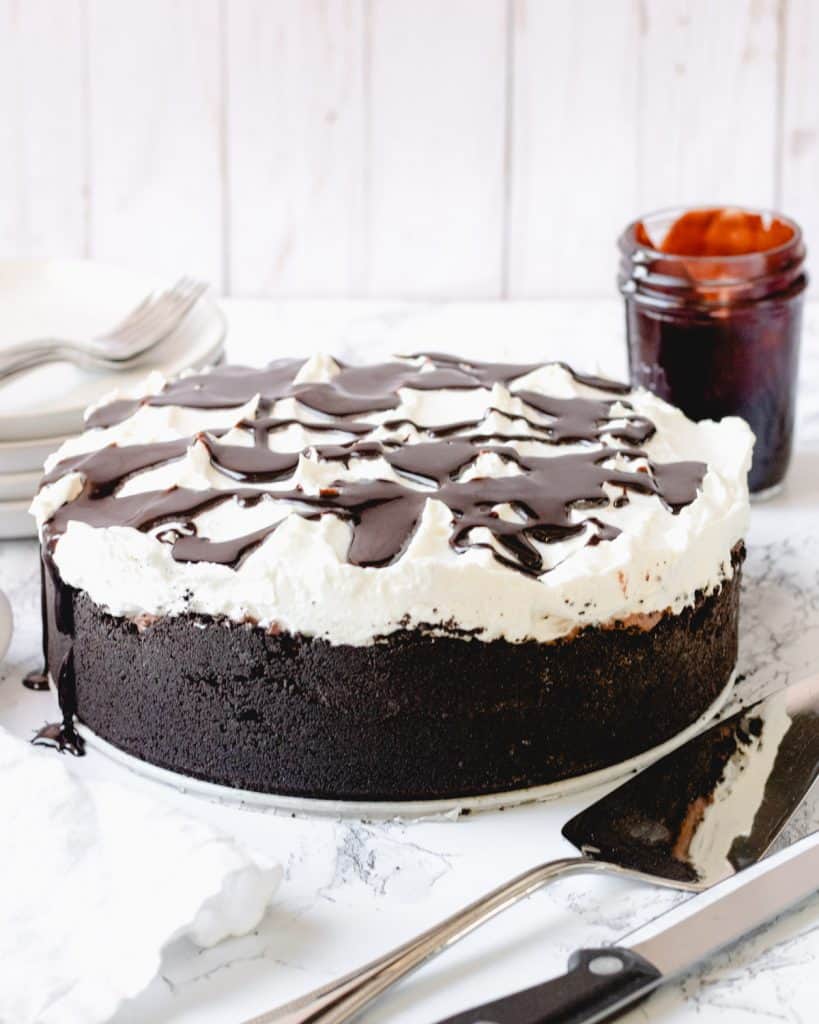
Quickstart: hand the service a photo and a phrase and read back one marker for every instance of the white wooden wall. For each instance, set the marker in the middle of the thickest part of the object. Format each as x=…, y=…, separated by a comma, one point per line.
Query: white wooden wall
x=421, y=148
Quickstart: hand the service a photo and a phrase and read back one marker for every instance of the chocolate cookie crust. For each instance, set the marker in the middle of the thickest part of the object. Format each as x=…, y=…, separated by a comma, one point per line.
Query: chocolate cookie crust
x=415, y=716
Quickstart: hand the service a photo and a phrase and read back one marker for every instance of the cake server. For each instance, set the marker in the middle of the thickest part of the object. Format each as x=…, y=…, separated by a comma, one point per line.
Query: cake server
x=603, y=983
x=692, y=819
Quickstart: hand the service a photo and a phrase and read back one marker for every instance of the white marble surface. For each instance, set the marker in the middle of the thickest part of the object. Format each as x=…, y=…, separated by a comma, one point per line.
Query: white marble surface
x=353, y=889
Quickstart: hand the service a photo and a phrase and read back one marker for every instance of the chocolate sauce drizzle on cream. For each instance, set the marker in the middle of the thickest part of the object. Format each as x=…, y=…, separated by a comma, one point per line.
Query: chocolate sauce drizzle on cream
x=355, y=390
x=383, y=514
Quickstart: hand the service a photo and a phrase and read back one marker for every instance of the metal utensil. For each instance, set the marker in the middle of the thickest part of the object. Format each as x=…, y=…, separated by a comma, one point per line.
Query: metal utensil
x=603, y=983
x=694, y=818
x=144, y=327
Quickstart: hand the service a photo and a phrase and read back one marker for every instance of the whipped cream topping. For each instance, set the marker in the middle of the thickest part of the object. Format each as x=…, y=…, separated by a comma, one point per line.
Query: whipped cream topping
x=521, y=502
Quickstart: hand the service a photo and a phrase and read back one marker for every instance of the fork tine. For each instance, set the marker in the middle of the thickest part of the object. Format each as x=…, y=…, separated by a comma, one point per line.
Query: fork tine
x=145, y=326
x=158, y=304
x=157, y=318
x=135, y=315
x=137, y=323
x=148, y=308
x=152, y=306
x=173, y=304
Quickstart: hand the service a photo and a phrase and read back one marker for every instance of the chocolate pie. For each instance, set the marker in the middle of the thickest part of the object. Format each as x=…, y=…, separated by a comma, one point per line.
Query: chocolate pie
x=426, y=578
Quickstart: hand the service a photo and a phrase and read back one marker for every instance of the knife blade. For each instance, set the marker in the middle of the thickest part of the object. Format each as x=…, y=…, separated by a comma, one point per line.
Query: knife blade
x=602, y=983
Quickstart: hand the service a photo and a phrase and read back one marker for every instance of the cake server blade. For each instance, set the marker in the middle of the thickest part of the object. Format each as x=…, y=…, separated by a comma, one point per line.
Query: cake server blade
x=714, y=805
x=694, y=818
x=602, y=983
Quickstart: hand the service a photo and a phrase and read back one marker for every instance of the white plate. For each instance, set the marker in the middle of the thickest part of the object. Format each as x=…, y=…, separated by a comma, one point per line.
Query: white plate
x=80, y=299
x=15, y=521
x=375, y=810
x=27, y=456
x=19, y=486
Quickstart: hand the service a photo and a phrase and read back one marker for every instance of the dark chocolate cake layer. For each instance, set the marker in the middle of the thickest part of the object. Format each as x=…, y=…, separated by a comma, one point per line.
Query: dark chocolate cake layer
x=412, y=716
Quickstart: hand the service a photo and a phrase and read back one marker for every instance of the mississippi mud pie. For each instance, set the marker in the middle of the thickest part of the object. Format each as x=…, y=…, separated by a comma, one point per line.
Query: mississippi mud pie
x=424, y=578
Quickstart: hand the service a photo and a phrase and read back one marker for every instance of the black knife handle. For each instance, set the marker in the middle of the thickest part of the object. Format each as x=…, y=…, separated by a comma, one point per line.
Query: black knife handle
x=599, y=985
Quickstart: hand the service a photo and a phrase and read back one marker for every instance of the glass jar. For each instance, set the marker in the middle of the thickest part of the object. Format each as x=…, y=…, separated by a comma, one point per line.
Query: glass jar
x=715, y=330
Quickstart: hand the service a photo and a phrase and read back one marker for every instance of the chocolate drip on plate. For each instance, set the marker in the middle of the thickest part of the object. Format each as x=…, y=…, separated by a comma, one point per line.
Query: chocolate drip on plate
x=36, y=681
x=61, y=737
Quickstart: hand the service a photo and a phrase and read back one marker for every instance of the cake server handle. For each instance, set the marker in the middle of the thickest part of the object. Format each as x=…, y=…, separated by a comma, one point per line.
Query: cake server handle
x=342, y=999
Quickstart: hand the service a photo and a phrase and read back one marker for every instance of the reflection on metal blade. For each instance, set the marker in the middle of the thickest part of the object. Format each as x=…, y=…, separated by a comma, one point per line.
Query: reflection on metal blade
x=705, y=924
x=716, y=804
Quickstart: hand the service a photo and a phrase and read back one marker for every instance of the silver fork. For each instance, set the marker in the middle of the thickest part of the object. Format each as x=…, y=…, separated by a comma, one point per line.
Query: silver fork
x=144, y=328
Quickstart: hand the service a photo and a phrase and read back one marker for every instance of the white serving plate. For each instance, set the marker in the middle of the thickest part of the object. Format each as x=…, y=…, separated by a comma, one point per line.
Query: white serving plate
x=19, y=486
x=28, y=456
x=15, y=521
x=81, y=299
x=380, y=810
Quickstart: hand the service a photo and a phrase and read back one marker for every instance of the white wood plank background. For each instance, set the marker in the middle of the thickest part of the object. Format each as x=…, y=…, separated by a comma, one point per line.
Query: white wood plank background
x=43, y=121
x=573, y=151
x=799, y=162
x=154, y=130
x=296, y=141
x=436, y=146
x=465, y=148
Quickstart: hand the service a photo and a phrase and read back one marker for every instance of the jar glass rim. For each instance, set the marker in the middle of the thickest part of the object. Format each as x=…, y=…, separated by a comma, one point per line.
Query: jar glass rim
x=675, y=211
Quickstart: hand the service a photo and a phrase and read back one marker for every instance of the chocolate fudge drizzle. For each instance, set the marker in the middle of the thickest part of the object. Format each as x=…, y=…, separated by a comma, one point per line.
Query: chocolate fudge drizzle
x=36, y=681
x=383, y=514
x=355, y=389
x=61, y=736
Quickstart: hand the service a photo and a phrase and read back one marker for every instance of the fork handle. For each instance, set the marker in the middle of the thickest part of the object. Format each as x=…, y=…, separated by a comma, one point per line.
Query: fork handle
x=18, y=358
x=342, y=999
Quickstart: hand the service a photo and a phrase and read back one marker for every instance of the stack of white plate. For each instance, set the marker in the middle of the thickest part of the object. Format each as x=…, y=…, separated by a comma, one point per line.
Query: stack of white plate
x=39, y=409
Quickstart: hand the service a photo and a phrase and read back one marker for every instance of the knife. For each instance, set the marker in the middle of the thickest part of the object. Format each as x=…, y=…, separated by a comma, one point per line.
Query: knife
x=602, y=983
